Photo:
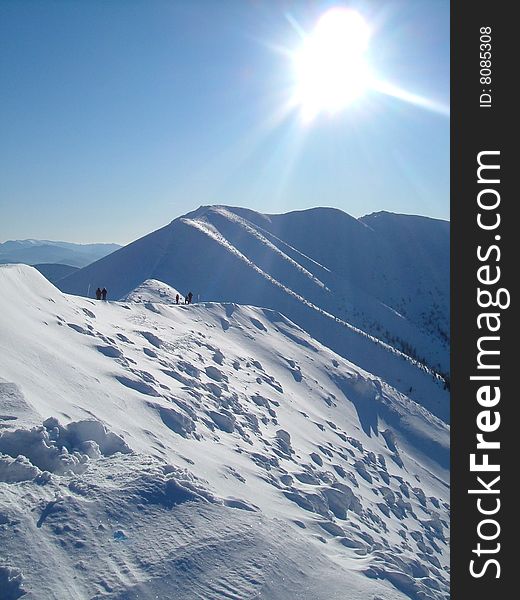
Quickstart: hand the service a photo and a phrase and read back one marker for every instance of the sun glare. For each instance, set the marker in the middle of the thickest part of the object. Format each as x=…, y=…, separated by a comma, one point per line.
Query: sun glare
x=331, y=70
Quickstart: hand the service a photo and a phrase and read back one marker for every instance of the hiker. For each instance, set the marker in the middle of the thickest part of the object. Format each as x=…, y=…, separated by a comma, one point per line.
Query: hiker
x=104, y=294
x=190, y=296
x=177, y=299
x=186, y=299
x=98, y=294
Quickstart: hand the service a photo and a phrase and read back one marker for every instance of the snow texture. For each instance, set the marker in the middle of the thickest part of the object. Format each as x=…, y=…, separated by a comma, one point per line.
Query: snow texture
x=348, y=282
x=149, y=450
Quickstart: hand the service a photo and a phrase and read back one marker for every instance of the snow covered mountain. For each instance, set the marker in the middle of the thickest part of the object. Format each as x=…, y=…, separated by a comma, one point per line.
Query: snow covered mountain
x=207, y=451
x=32, y=252
x=348, y=282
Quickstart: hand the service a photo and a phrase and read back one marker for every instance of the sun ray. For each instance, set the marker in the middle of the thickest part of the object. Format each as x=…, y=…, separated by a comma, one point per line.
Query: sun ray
x=389, y=89
x=331, y=68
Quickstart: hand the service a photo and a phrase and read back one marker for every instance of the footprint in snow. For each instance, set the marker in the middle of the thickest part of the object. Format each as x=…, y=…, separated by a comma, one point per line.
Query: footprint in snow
x=316, y=458
x=258, y=324
x=80, y=329
x=123, y=338
x=222, y=421
x=260, y=400
x=214, y=389
x=218, y=357
x=240, y=504
x=270, y=380
x=215, y=374
x=284, y=442
x=152, y=307
x=297, y=374
x=177, y=422
x=187, y=381
x=188, y=368
x=144, y=375
x=137, y=385
x=235, y=474
x=110, y=351
x=152, y=338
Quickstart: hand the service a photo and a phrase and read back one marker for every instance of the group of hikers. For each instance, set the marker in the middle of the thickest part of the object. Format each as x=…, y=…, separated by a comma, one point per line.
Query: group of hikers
x=187, y=299
x=101, y=294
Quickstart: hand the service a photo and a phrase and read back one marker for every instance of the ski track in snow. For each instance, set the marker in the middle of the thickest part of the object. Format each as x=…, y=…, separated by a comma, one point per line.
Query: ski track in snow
x=206, y=451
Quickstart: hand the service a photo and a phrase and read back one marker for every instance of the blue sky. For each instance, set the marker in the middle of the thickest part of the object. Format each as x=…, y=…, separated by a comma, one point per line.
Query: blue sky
x=118, y=116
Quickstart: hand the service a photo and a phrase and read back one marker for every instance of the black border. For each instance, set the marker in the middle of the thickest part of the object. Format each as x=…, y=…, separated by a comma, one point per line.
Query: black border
x=474, y=129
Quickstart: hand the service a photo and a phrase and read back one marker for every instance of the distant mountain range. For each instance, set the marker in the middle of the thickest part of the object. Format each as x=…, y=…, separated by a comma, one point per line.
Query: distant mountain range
x=375, y=289
x=34, y=252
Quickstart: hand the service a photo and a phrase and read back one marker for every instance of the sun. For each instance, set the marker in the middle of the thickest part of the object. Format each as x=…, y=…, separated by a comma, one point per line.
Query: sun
x=330, y=68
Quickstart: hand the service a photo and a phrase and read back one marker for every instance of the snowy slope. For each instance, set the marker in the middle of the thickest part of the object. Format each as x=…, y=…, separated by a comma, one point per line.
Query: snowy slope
x=206, y=451
x=335, y=276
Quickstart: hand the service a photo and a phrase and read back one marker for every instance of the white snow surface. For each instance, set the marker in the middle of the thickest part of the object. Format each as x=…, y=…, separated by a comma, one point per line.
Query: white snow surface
x=375, y=290
x=207, y=451
x=152, y=290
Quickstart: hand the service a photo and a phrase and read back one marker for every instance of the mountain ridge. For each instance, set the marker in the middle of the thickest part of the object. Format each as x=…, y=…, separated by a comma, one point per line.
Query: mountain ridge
x=32, y=251
x=334, y=275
